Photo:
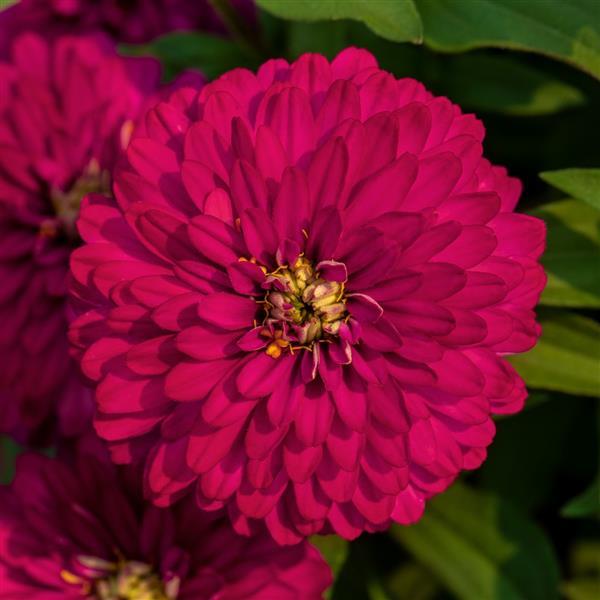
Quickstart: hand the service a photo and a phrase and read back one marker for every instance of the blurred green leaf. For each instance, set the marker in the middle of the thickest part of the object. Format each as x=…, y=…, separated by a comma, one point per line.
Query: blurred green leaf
x=397, y=21
x=477, y=81
x=503, y=84
x=412, y=580
x=586, y=504
x=534, y=400
x=9, y=451
x=353, y=579
x=482, y=547
x=585, y=569
x=583, y=558
x=567, y=31
x=334, y=550
x=6, y=3
x=377, y=591
x=566, y=358
x=525, y=469
x=583, y=184
x=584, y=588
x=326, y=37
x=572, y=255
x=211, y=54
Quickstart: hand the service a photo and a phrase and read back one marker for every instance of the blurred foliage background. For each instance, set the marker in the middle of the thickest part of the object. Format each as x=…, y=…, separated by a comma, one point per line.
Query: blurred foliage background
x=525, y=526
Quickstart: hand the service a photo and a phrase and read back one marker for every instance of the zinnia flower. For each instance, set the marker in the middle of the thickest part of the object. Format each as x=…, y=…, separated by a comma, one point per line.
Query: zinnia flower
x=300, y=298
x=67, y=110
x=78, y=529
x=130, y=21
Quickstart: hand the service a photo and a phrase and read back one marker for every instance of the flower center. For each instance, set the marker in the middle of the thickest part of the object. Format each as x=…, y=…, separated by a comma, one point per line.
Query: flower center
x=301, y=307
x=131, y=581
x=127, y=580
x=66, y=204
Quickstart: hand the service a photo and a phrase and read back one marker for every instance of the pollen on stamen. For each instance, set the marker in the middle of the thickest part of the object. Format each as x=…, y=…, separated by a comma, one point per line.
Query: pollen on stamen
x=70, y=577
x=126, y=133
x=301, y=308
x=254, y=262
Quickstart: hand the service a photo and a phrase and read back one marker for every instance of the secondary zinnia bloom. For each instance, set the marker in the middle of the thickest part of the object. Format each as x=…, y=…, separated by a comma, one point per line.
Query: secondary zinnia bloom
x=66, y=112
x=79, y=529
x=133, y=21
x=304, y=312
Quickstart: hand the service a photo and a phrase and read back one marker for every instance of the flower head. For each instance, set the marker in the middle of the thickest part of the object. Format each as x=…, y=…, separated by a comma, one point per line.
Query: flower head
x=67, y=109
x=77, y=528
x=304, y=313
x=131, y=21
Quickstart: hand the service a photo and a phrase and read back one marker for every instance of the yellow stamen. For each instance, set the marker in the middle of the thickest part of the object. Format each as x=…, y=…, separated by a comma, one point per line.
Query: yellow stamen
x=70, y=578
x=126, y=132
x=312, y=307
x=273, y=350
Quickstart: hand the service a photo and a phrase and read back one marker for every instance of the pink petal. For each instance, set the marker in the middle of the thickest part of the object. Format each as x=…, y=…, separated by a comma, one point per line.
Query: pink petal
x=191, y=381
x=153, y=357
x=262, y=374
x=248, y=188
x=378, y=94
x=246, y=278
x=290, y=209
x=216, y=240
x=364, y=308
x=313, y=419
x=300, y=461
x=351, y=61
x=341, y=102
x=260, y=235
x=381, y=192
x=203, y=342
x=228, y=311
x=289, y=115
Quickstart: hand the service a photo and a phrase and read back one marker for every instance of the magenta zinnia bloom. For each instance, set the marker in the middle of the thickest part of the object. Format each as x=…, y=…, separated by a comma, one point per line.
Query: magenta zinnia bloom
x=66, y=111
x=130, y=21
x=300, y=299
x=79, y=529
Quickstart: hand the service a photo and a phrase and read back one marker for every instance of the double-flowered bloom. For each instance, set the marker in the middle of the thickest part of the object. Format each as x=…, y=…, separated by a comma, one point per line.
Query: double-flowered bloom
x=78, y=528
x=298, y=302
x=67, y=109
x=130, y=21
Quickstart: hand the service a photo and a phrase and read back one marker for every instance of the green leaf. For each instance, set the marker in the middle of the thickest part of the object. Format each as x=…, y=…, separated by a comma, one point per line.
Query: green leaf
x=583, y=184
x=213, y=55
x=412, y=580
x=397, y=20
x=567, y=31
x=572, y=255
x=586, y=504
x=503, y=84
x=334, y=550
x=565, y=359
x=482, y=547
x=584, y=588
x=6, y=3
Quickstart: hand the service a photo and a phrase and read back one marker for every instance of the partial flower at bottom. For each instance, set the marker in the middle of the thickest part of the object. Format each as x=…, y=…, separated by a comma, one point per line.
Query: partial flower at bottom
x=78, y=528
x=300, y=299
